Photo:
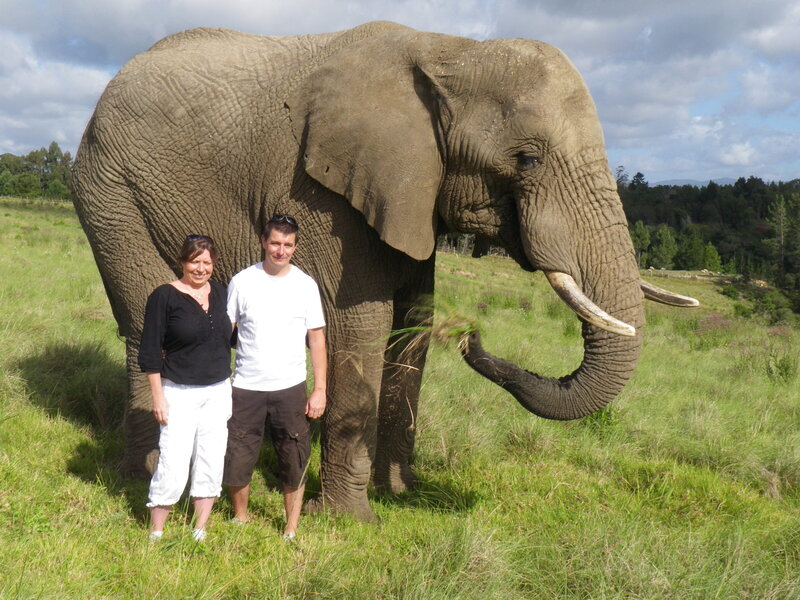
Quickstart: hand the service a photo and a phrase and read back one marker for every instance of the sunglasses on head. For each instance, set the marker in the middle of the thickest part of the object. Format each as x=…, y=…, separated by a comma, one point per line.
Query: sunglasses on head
x=283, y=219
x=194, y=237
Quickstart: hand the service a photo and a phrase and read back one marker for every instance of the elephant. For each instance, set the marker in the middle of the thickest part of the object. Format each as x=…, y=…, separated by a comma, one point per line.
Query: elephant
x=376, y=139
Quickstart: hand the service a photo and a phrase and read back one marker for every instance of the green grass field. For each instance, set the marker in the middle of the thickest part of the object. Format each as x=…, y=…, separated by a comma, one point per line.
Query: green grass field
x=686, y=487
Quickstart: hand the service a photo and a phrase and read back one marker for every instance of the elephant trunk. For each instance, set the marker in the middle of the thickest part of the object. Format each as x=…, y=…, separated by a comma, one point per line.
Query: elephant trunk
x=608, y=363
x=611, y=342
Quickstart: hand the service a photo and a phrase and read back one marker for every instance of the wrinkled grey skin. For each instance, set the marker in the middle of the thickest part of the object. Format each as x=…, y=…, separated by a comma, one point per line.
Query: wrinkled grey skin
x=377, y=139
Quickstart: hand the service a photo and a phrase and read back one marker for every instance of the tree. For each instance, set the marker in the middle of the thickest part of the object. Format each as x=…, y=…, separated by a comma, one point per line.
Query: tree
x=793, y=240
x=638, y=181
x=56, y=189
x=12, y=164
x=621, y=176
x=6, y=185
x=711, y=258
x=664, y=248
x=53, y=156
x=756, y=193
x=58, y=170
x=26, y=184
x=691, y=251
x=35, y=162
x=43, y=172
x=778, y=220
x=640, y=236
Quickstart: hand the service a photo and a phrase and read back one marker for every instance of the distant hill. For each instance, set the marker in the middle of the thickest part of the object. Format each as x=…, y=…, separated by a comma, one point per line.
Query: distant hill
x=696, y=182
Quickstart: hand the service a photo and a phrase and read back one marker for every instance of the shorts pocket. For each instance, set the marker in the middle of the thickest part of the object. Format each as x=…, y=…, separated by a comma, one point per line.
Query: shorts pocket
x=296, y=454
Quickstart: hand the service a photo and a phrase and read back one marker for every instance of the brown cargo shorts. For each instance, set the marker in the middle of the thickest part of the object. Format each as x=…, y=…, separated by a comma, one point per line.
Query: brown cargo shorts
x=283, y=411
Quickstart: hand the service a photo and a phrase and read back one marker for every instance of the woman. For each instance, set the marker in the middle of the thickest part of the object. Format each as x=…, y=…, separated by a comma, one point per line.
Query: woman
x=186, y=354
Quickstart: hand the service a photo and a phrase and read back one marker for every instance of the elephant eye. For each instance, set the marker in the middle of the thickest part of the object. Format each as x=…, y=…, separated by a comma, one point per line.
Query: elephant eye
x=527, y=161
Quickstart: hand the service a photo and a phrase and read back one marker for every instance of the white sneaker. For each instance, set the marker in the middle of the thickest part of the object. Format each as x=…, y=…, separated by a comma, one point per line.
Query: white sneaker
x=199, y=535
x=155, y=536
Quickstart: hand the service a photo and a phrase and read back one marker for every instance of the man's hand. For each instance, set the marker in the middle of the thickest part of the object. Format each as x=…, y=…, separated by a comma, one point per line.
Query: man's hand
x=315, y=405
x=319, y=362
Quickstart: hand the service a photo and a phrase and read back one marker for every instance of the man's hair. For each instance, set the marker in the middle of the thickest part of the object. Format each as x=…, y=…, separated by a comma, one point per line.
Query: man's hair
x=283, y=223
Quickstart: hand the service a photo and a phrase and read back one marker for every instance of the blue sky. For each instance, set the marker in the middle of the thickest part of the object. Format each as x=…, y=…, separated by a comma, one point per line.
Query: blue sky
x=693, y=89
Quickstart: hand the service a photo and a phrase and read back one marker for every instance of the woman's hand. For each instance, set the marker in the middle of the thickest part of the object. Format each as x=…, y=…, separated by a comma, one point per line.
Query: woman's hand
x=160, y=410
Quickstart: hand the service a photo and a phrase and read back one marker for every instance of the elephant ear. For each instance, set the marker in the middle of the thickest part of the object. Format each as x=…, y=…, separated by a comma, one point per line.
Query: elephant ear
x=364, y=121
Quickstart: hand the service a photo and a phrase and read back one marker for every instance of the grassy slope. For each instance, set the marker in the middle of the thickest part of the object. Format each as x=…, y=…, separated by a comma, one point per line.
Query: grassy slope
x=687, y=487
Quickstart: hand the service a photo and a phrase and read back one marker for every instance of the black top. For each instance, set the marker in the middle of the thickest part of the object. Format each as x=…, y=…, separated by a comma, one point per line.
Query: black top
x=182, y=341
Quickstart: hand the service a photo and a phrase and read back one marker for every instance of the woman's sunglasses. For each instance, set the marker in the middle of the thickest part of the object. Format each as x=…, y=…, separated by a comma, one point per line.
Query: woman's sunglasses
x=194, y=237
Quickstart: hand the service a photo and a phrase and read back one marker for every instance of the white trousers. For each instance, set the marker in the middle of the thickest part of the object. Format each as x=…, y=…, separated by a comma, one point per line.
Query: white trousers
x=196, y=436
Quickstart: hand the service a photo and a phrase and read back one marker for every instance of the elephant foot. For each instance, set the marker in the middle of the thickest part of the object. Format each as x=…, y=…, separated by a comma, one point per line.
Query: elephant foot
x=357, y=508
x=395, y=478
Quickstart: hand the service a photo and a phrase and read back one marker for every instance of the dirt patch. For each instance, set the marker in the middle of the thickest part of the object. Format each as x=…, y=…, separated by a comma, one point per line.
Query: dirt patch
x=469, y=274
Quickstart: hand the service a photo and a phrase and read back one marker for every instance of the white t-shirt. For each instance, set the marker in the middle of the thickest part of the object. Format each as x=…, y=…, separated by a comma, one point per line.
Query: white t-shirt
x=273, y=315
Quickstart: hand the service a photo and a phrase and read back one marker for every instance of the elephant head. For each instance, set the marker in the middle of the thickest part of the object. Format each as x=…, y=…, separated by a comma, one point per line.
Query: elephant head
x=422, y=132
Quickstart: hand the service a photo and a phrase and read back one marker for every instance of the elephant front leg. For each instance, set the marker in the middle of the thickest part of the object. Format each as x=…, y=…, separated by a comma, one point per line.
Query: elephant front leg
x=141, y=430
x=349, y=429
x=356, y=339
x=402, y=378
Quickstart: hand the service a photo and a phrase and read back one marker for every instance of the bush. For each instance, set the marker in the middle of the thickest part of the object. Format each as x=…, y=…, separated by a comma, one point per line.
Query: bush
x=782, y=365
x=775, y=306
x=56, y=189
x=730, y=292
x=26, y=185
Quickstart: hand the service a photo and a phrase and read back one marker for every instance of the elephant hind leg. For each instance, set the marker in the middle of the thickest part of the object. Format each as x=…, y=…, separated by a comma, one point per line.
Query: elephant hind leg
x=397, y=428
x=130, y=267
x=402, y=378
x=129, y=283
x=141, y=430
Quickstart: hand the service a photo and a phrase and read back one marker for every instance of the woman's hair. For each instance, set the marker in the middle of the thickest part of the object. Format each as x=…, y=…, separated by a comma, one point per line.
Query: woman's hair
x=197, y=244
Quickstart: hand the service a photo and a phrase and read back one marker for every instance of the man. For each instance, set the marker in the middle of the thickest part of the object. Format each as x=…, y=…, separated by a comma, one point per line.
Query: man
x=277, y=308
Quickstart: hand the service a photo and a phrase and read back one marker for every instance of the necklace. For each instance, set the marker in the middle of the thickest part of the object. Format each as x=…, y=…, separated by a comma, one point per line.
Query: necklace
x=199, y=294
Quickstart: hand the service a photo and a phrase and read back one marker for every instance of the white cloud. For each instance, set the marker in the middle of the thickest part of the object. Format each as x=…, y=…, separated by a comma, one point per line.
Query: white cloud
x=115, y=31
x=779, y=37
x=683, y=88
x=767, y=89
x=739, y=155
x=42, y=101
x=700, y=129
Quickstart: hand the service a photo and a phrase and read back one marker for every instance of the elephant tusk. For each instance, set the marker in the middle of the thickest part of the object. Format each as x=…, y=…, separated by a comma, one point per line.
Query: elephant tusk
x=656, y=294
x=573, y=296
